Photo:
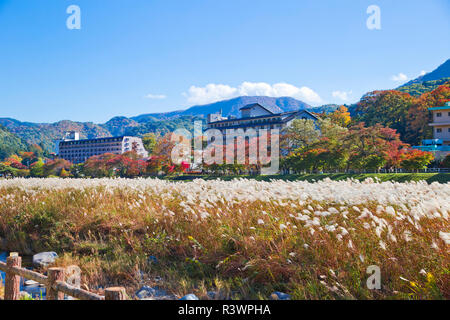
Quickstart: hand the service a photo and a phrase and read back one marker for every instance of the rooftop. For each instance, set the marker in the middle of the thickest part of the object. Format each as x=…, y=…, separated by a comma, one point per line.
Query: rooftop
x=444, y=107
x=249, y=106
x=92, y=140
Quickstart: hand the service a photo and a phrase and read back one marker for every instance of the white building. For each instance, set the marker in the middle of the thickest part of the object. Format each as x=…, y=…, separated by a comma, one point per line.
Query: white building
x=73, y=149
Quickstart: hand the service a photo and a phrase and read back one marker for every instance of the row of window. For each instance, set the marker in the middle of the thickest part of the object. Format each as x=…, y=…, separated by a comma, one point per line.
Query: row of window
x=82, y=142
x=272, y=126
x=439, y=114
x=233, y=123
x=90, y=145
x=439, y=130
x=80, y=151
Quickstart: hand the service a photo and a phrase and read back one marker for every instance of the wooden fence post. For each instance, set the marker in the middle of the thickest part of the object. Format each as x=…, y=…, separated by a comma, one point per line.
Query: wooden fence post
x=115, y=293
x=54, y=275
x=12, y=282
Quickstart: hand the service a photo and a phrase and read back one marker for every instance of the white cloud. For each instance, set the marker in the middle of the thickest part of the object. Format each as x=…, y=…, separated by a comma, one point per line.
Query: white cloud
x=210, y=93
x=399, y=77
x=422, y=73
x=155, y=96
x=216, y=92
x=342, y=95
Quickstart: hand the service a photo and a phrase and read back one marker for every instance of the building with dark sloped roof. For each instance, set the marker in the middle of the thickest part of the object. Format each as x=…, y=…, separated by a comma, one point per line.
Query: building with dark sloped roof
x=255, y=116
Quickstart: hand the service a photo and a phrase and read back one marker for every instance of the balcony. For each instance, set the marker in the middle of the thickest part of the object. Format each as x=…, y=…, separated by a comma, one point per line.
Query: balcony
x=444, y=124
x=433, y=148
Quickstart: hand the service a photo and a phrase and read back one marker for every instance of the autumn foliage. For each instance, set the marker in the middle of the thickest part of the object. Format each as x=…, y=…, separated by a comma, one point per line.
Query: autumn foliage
x=398, y=110
x=358, y=148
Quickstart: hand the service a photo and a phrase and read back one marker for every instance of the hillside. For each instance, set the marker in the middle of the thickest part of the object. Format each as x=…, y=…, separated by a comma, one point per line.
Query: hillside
x=10, y=143
x=428, y=82
x=45, y=133
x=127, y=126
x=419, y=88
x=443, y=71
x=230, y=107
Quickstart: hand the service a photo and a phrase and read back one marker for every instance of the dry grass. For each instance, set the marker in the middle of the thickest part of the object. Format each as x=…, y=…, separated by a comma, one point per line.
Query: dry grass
x=243, y=239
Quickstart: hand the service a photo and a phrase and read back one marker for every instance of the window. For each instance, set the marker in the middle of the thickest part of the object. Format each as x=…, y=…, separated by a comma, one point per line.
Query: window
x=438, y=130
x=438, y=115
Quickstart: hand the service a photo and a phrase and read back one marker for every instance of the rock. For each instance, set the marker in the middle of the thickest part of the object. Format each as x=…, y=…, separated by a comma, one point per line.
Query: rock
x=43, y=259
x=31, y=283
x=161, y=298
x=148, y=292
x=280, y=296
x=190, y=296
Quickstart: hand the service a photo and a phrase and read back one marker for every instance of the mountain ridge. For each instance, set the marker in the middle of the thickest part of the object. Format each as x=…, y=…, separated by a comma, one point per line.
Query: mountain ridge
x=45, y=133
x=443, y=71
x=230, y=107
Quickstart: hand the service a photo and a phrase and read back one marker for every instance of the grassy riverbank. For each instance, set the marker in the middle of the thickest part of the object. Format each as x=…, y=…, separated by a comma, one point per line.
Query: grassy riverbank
x=241, y=239
x=397, y=177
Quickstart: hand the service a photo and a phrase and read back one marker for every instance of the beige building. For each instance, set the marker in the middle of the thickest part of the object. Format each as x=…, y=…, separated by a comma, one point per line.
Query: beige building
x=77, y=151
x=441, y=123
x=255, y=116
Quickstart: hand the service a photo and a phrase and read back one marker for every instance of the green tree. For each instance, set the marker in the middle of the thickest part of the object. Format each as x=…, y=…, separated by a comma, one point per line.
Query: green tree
x=302, y=132
x=7, y=171
x=375, y=162
x=37, y=168
x=149, y=140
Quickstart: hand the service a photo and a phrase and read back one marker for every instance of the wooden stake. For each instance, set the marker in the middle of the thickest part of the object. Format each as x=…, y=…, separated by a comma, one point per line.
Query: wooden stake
x=54, y=275
x=115, y=293
x=12, y=282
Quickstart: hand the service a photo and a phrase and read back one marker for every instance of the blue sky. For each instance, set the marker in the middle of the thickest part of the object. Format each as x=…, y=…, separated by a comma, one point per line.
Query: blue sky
x=144, y=56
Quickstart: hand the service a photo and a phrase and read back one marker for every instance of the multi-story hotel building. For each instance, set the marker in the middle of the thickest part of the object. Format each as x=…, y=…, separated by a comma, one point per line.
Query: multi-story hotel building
x=441, y=123
x=255, y=116
x=73, y=149
x=440, y=145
